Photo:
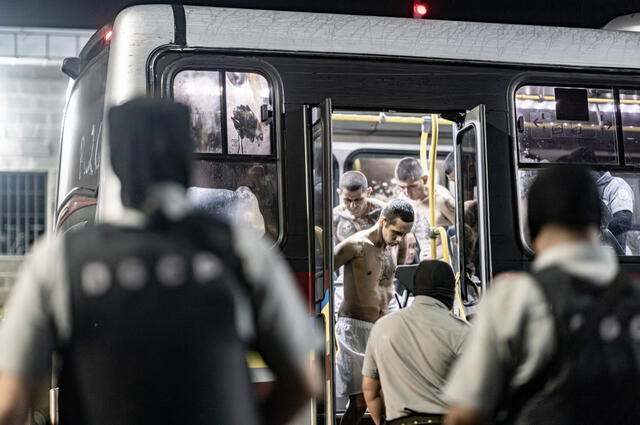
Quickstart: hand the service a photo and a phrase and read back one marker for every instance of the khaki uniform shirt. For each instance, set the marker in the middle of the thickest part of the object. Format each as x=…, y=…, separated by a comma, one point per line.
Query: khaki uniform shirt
x=411, y=352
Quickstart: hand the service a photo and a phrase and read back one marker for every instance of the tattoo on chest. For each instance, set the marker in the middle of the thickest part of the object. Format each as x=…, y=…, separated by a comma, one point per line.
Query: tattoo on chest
x=347, y=227
x=387, y=265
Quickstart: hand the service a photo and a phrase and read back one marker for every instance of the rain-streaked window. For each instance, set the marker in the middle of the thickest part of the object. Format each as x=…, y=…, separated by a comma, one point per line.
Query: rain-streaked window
x=236, y=171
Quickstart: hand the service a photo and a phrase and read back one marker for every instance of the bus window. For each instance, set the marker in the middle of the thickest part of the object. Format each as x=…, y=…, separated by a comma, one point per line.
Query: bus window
x=579, y=126
x=202, y=92
x=554, y=121
x=619, y=191
x=247, y=98
x=630, y=120
x=236, y=171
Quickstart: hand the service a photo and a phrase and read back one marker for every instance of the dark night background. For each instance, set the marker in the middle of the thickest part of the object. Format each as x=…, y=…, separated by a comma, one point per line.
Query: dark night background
x=573, y=13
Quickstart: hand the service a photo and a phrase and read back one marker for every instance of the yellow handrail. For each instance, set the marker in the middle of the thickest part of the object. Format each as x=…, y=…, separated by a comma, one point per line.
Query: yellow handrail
x=432, y=180
x=463, y=315
x=383, y=118
x=444, y=240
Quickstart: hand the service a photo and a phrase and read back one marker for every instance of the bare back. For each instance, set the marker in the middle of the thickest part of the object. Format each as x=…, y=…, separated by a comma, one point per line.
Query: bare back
x=368, y=276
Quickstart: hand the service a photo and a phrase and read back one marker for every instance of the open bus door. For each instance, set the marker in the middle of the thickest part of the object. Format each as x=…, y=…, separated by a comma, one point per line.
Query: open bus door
x=319, y=204
x=472, y=221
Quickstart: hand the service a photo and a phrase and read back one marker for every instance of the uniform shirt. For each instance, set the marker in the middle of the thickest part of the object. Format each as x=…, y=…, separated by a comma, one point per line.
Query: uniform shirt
x=514, y=326
x=616, y=194
x=38, y=310
x=411, y=352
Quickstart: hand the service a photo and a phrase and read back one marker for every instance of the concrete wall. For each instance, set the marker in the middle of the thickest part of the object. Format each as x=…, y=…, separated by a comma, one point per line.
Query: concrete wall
x=32, y=98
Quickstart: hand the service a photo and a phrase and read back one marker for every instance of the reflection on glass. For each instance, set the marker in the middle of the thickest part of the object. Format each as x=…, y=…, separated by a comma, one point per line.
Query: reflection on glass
x=618, y=192
x=246, y=190
x=81, y=136
x=201, y=91
x=543, y=137
x=247, y=133
x=630, y=117
x=470, y=202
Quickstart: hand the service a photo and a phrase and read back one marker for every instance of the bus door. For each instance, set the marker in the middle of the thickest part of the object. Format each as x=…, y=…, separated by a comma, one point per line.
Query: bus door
x=319, y=207
x=472, y=224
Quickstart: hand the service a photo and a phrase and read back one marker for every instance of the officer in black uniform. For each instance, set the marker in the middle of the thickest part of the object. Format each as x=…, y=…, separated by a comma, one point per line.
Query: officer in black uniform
x=152, y=317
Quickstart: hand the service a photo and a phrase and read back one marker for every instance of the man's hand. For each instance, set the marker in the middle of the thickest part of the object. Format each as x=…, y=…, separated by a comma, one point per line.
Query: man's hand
x=16, y=396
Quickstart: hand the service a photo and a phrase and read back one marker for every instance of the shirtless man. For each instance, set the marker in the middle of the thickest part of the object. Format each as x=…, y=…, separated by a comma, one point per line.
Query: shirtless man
x=413, y=182
x=369, y=258
x=357, y=210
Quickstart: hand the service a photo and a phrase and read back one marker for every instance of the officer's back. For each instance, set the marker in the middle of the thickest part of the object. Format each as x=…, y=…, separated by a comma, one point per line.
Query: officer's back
x=151, y=317
x=559, y=345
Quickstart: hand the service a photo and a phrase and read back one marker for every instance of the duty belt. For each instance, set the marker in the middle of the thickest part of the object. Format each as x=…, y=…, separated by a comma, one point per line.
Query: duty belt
x=417, y=420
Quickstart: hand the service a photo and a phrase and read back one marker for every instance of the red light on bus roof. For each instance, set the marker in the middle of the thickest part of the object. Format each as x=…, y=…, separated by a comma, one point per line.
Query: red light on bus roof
x=419, y=10
x=107, y=36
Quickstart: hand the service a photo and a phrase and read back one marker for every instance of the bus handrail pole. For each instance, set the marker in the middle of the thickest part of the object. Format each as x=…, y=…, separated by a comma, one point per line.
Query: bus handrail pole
x=432, y=180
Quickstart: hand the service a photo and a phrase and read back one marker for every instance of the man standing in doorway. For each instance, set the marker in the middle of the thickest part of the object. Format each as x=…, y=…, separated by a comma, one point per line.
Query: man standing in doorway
x=369, y=258
x=411, y=179
x=357, y=210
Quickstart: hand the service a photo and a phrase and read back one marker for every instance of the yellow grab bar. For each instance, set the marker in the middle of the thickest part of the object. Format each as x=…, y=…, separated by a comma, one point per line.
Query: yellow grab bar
x=444, y=239
x=383, y=118
x=463, y=315
x=432, y=180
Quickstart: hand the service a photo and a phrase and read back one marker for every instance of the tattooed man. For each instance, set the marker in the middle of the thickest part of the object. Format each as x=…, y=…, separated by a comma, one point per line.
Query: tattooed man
x=357, y=210
x=369, y=258
x=413, y=183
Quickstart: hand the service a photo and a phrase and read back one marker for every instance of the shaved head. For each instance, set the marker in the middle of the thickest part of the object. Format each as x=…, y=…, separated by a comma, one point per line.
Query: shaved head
x=408, y=169
x=353, y=180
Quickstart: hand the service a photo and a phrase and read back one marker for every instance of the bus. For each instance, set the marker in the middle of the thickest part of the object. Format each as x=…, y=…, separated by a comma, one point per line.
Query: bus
x=283, y=102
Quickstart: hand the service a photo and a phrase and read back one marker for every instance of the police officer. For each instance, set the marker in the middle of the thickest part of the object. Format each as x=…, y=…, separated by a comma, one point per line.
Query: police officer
x=616, y=198
x=152, y=316
x=558, y=345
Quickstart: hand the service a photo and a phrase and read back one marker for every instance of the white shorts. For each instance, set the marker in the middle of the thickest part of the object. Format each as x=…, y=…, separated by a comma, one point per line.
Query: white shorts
x=352, y=336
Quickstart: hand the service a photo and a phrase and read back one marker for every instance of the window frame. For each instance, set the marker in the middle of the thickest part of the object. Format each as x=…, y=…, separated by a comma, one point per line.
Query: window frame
x=557, y=79
x=167, y=63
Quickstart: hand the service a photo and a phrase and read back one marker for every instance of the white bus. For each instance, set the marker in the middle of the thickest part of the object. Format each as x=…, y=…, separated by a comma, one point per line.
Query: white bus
x=274, y=95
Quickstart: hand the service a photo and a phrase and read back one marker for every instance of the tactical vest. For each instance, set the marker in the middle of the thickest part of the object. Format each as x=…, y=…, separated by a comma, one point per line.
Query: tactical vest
x=593, y=378
x=153, y=337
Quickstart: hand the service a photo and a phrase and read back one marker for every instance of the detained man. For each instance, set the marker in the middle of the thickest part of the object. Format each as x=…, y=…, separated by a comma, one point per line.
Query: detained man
x=369, y=258
x=412, y=181
x=357, y=210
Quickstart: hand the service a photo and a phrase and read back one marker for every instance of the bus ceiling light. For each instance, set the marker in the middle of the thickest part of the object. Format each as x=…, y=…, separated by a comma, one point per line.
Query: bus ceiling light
x=419, y=10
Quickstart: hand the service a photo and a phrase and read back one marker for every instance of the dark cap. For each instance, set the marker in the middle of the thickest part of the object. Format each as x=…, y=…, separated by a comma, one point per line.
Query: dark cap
x=149, y=142
x=563, y=195
x=435, y=279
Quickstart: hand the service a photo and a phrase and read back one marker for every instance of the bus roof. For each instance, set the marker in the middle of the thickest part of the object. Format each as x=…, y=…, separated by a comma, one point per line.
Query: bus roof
x=402, y=37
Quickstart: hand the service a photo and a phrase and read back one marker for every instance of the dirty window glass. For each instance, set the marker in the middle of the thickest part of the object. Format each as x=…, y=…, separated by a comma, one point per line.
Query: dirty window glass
x=247, y=192
x=573, y=125
x=630, y=120
x=619, y=192
x=201, y=91
x=248, y=99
